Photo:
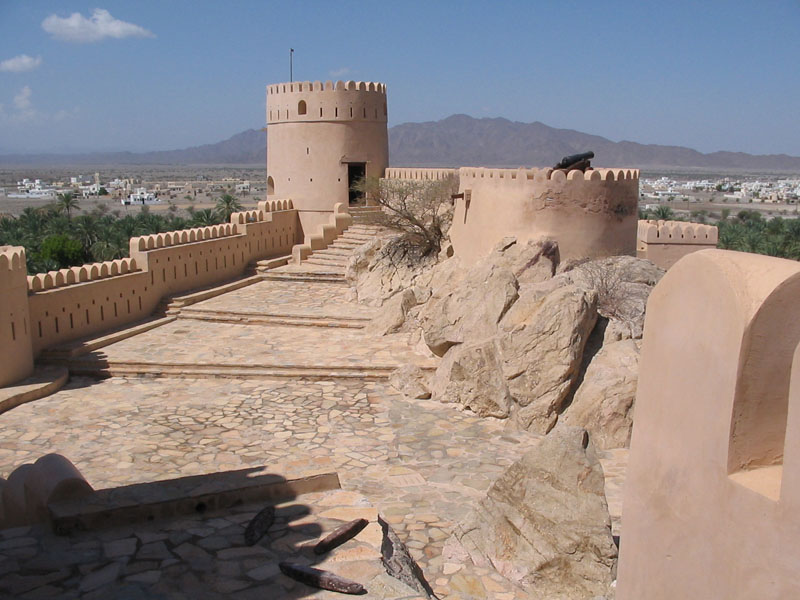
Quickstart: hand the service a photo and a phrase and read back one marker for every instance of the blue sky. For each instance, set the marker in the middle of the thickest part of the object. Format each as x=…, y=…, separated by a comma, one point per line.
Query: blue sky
x=165, y=74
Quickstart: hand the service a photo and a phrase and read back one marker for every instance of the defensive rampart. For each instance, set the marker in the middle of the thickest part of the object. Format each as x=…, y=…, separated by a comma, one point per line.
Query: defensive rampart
x=414, y=174
x=712, y=492
x=15, y=339
x=590, y=214
x=60, y=306
x=665, y=242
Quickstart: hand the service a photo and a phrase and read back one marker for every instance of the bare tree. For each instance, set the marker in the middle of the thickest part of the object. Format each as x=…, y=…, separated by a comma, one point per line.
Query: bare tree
x=421, y=210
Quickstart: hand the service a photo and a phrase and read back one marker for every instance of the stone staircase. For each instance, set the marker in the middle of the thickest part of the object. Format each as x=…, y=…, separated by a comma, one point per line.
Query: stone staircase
x=327, y=265
x=365, y=215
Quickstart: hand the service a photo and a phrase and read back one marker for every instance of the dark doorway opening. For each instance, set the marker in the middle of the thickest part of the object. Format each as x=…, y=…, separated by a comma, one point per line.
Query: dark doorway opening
x=355, y=173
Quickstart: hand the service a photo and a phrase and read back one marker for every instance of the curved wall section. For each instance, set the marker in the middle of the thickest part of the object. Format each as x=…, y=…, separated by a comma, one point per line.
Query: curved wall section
x=315, y=131
x=590, y=214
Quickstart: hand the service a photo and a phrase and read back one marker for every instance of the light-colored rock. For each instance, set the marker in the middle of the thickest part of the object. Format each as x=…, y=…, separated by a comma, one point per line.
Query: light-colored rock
x=411, y=381
x=472, y=375
x=603, y=404
x=393, y=313
x=469, y=311
x=383, y=267
x=531, y=262
x=542, y=338
x=544, y=523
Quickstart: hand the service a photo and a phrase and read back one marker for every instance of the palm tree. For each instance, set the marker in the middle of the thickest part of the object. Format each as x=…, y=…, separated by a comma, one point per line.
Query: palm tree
x=66, y=202
x=227, y=205
x=663, y=213
x=205, y=217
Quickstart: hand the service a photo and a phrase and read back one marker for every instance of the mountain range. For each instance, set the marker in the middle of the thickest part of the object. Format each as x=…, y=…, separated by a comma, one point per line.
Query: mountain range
x=458, y=140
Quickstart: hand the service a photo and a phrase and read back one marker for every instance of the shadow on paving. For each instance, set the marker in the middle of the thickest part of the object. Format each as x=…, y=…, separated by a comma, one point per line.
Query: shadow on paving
x=169, y=548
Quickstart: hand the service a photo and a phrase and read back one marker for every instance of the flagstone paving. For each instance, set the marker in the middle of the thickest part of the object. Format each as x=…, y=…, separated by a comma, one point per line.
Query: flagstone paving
x=422, y=464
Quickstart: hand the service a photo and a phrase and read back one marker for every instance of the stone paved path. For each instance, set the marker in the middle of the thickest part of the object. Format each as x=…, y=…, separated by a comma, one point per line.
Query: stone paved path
x=421, y=463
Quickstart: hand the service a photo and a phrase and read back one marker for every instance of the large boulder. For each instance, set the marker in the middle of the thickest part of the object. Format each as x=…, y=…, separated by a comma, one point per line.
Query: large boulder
x=544, y=523
x=469, y=311
x=411, y=381
x=472, y=375
x=393, y=313
x=603, y=404
x=541, y=340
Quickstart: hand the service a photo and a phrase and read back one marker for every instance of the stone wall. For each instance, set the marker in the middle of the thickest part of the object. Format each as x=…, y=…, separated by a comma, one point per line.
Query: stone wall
x=15, y=339
x=712, y=494
x=590, y=214
x=60, y=306
x=665, y=242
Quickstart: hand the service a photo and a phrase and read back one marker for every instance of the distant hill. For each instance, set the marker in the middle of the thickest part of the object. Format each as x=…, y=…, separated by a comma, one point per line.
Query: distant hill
x=458, y=140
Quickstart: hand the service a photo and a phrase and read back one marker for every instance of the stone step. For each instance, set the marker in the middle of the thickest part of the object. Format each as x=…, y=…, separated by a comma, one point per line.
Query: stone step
x=328, y=277
x=323, y=259
x=356, y=237
x=325, y=263
x=102, y=369
x=332, y=251
x=242, y=318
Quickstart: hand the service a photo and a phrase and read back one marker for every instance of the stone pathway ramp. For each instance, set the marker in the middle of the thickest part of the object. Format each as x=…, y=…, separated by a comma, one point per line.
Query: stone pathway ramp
x=422, y=464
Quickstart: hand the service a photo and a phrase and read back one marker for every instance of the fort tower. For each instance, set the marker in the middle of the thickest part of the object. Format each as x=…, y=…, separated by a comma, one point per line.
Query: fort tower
x=321, y=138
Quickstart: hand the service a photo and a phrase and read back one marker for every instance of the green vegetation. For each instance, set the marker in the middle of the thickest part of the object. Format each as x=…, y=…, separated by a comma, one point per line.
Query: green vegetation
x=54, y=239
x=750, y=232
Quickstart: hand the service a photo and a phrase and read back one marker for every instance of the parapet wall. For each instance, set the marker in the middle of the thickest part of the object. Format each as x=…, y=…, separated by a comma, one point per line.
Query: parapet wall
x=712, y=493
x=73, y=303
x=590, y=214
x=413, y=174
x=307, y=101
x=665, y=242
x=15, y=339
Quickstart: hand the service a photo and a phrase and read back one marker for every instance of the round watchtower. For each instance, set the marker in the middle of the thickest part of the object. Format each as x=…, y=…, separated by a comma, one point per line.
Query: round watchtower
x=321, y=138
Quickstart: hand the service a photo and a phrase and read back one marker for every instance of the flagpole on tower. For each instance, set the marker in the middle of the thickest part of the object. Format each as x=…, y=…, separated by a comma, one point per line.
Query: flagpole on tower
x=291, y=56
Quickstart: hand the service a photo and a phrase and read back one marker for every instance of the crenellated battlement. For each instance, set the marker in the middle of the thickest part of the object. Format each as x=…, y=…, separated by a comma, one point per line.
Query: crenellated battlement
x=13, y=268
x=183, y=236
x=676, y=232
x=81, y=274
x=413, y=174
x=665, y=242
x=275, y=205
x=522, y=175
x=303, y=101
x=590, y=213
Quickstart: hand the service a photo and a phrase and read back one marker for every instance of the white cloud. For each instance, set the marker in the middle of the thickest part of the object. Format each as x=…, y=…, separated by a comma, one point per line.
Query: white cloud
x=23, y=100
x=340, y=72
x=20, y=63
x=101, y=25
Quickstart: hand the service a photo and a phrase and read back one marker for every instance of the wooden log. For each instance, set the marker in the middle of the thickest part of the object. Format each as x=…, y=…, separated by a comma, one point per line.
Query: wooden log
x=323, y=580
x=340, y=535
x=259, y=525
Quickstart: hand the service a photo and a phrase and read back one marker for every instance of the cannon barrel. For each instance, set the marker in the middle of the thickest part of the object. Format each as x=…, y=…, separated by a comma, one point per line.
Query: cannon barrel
x=569, y=161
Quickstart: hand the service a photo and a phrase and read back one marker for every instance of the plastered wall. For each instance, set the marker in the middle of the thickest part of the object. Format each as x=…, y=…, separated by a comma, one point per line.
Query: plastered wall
x=591, y=214
x=64, y=305
x=665, y=242
x=415, y=174
x=712, y=493
x=314, y=130
x=15, y=340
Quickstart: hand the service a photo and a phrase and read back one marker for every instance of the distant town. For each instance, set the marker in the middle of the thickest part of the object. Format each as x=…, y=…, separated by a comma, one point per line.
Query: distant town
x=154, y=187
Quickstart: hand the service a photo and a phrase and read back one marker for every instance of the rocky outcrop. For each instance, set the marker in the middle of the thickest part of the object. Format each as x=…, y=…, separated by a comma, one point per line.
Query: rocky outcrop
x=472, y=375
x=544, y=523
x=542, y=340
x=603, y=403
x=512, y=331
x=471, y=310
x=383, y=267
x=410, y=381
x=393, y=313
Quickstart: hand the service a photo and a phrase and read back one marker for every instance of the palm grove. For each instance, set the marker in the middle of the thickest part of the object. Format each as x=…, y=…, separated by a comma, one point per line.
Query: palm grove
x=55, y=237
